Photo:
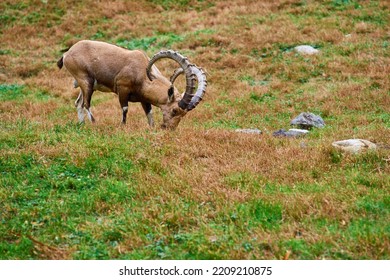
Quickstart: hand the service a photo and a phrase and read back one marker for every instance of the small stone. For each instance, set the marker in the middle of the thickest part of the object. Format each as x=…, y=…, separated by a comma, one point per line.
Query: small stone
x=354, y=145
x=249, y=130
x=298, y=132
x=213, y=239
x=280, y=133
x=305, y=49
x=307, y=121
x=290, y=133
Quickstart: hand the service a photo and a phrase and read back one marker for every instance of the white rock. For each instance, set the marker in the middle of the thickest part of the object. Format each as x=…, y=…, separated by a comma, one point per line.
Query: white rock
x=249, y=130
x=300, y=131
x=354, y=145
x=305, y=49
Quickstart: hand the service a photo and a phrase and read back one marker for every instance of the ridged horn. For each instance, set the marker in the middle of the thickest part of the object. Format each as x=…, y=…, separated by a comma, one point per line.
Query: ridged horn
x=183, y=61
x=176, y=74
x=192, y=74
x=185, y=65
x=201, y=90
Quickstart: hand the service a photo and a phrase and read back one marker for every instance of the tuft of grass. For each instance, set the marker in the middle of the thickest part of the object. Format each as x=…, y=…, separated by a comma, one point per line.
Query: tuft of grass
x=259, y=213
x=16, y=92
x=183, y=4
x=11, y=92
x=151, y=43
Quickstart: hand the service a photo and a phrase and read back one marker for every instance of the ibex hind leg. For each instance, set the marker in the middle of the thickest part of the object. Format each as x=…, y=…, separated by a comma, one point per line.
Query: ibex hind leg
x=90, y=116
x=79, y=105
x=87, y=91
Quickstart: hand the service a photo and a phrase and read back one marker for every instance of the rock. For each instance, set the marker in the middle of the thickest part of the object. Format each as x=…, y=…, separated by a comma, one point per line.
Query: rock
x=307, y=121
x=354, y=145
x=305, y=49
x=290, y=133
x=298, y=132
x=280, y=133
x=249, y=130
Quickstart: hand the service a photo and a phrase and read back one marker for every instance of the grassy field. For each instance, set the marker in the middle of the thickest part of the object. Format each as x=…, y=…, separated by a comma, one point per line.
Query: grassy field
x=204, y=191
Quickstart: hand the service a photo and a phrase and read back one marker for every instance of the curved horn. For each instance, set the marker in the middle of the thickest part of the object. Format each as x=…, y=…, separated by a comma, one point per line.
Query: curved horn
x=202, y=84
x=176, y=74
x=187, y=69
x=183, y=61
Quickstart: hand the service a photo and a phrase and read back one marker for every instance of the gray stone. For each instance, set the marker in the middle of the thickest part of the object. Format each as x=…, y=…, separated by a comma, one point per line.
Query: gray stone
x=305, y=49
x=298, y=132
x=307, y=121
x=290, y=133
x=249, y=130
x=280, y=133
x=354, y=145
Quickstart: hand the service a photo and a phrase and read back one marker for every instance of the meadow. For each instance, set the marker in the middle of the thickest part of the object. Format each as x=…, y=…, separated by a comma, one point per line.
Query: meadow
x=203, y=191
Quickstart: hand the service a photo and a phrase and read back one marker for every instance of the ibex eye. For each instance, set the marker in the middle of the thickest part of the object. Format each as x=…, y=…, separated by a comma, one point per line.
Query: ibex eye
x=175, y=111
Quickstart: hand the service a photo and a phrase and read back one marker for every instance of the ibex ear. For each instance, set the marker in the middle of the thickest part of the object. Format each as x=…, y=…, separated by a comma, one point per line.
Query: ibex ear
x=171, y=94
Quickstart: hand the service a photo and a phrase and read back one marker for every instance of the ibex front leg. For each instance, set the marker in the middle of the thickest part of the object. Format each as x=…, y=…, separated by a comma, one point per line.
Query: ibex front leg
x=148, y=111
x=124, y=101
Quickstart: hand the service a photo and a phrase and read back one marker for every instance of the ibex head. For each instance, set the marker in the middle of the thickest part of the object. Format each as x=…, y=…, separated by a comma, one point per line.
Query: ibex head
x=177, y=107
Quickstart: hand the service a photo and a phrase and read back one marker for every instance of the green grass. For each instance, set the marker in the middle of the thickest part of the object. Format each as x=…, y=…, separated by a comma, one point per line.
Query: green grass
x=89, y=196
x=56, y=194
x=183, y=4
x=155, y=42
x=11, y=92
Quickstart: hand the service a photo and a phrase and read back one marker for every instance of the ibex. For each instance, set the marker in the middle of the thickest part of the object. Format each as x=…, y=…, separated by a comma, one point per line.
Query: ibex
x=133, y=77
